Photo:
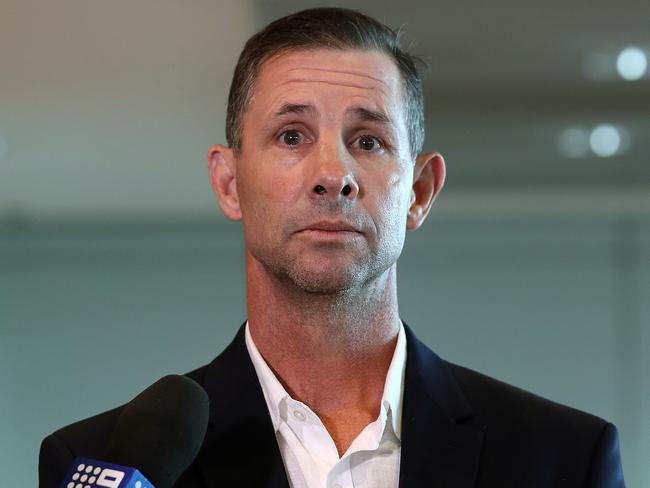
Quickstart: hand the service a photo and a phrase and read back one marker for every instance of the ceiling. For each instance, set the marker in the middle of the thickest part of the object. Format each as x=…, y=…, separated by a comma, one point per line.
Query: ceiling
x=108, y=108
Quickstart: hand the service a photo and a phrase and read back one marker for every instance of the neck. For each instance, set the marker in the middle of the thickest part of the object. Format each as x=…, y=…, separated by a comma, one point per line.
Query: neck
x=330, y=351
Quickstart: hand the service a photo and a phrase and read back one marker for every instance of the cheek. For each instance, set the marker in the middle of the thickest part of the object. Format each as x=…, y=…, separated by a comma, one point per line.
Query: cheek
x=397, y=188
x=266, y=198
x=267, y=177
x=392, y=202
x=257, y=188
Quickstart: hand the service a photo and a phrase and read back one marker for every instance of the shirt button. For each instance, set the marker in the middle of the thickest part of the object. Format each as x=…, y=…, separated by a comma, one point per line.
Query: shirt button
x=300, y=415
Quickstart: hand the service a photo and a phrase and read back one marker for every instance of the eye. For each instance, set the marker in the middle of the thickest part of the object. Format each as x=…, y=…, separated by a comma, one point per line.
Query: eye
x=368, y=143
x=291, y=137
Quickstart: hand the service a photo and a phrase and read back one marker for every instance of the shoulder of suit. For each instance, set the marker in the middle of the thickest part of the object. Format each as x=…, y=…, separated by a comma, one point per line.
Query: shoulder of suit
x=500, y=402
x=89, y=437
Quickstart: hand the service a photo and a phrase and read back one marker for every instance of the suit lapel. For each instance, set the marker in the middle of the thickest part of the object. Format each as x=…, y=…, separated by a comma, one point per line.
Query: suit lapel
x=437, y=449
x=240, y=447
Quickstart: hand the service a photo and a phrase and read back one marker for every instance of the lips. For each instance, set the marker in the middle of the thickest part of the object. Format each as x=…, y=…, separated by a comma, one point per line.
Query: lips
x=331, y=226
x=330, y=231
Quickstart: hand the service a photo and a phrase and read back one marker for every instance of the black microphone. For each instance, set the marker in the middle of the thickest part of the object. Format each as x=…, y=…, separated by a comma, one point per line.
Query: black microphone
x=156, y=437
x=161, y=430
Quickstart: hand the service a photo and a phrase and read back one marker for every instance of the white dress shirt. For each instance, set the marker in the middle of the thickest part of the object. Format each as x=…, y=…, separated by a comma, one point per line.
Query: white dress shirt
x=308, y=451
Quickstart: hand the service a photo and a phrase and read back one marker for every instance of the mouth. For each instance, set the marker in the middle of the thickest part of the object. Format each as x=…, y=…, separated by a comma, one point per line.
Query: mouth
x=331, y=226
x=331, y=230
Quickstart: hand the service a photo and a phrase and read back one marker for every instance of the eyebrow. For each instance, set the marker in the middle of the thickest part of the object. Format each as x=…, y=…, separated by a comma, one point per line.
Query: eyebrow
x=370, y=115
x=295, y=108
x=361, y=113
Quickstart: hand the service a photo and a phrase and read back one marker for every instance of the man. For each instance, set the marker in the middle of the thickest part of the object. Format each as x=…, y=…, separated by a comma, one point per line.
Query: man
x=324, y=386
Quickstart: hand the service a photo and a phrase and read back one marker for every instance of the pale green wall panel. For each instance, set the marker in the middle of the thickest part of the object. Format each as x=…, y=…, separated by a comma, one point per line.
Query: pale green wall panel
x=92, y=314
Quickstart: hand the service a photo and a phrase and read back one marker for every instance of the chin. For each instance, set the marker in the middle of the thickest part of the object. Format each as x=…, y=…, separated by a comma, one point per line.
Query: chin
x=331, y=279
x=324, y=285
x=324, y=275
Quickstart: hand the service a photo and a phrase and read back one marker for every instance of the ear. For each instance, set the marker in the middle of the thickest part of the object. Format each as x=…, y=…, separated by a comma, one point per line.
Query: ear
x=428, y=178
x=223, y=178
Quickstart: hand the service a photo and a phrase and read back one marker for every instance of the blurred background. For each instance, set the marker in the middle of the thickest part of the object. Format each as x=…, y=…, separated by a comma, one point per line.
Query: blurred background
x=117, y=267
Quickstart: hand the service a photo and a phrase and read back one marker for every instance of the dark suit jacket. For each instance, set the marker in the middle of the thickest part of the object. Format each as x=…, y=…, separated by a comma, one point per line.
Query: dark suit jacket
x=460, y=429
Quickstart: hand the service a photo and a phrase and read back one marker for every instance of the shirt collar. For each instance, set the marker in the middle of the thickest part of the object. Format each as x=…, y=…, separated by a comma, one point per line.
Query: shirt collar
x=391, y=401
x=394, y=385
x=274, y=392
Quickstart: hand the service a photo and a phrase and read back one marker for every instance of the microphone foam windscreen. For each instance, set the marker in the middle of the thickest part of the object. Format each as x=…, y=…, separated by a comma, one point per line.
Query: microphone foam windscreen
x=161, y=430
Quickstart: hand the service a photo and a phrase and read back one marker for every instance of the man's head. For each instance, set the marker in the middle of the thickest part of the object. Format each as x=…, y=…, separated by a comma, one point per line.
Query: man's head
x=324, y=28
x=322, y=173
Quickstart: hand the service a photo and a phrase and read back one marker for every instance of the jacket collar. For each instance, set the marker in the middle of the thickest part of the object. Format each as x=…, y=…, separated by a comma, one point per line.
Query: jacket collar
x=240, y=447
x=437, y=449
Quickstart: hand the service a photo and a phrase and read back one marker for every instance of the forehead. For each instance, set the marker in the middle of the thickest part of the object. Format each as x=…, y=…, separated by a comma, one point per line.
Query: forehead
x=355, y=75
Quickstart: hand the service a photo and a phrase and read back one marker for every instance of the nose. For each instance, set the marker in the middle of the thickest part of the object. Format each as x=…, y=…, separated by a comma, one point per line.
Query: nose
x=332, y=178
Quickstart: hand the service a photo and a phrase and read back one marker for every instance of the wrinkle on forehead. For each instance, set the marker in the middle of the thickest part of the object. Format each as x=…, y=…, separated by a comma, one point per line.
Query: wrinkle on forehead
x=371, y=70
x=335, y=83
x=344, y=72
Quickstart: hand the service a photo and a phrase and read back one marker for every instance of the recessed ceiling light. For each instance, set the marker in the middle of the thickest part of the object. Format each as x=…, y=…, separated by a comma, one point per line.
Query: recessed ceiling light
x=605, y=140
x=632, y=63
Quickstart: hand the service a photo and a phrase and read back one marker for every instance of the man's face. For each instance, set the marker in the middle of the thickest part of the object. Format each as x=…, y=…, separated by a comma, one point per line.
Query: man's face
x=324, y=175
